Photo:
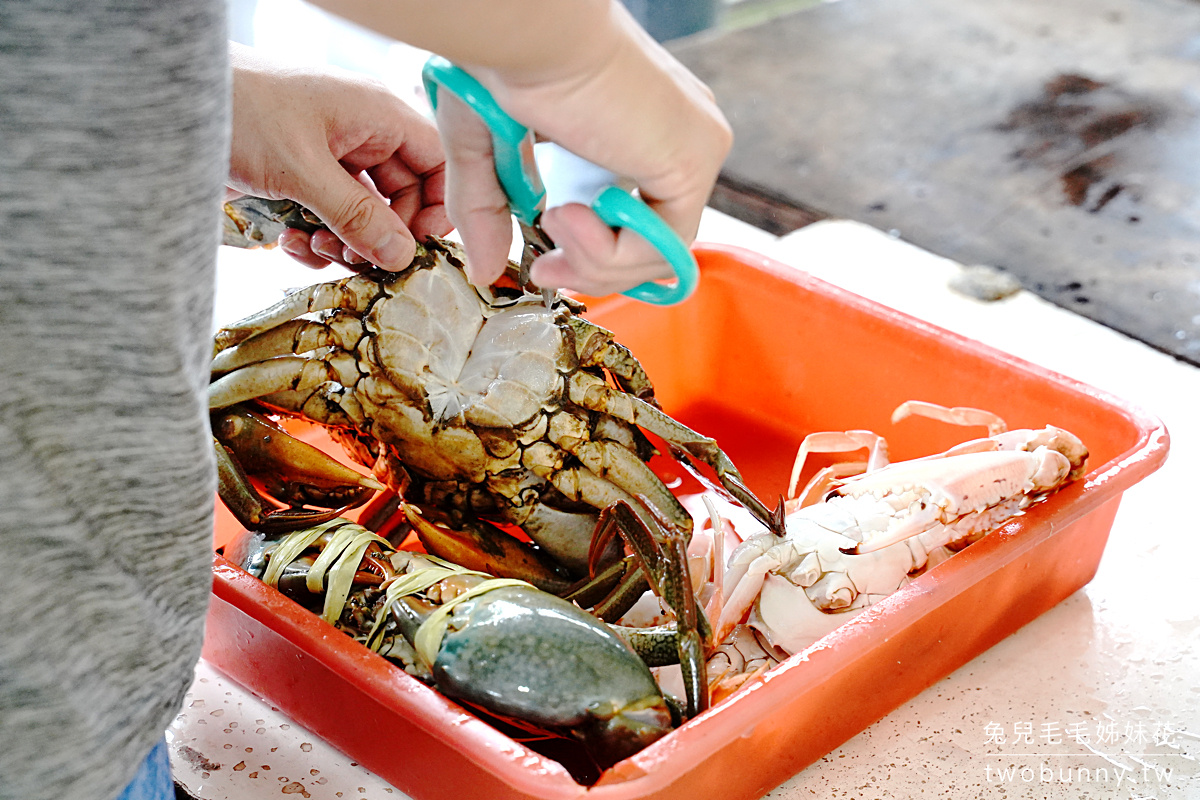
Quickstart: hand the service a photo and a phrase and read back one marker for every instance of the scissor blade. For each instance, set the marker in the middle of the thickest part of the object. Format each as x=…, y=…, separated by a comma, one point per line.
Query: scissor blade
x=536, y=243
x=528, y=254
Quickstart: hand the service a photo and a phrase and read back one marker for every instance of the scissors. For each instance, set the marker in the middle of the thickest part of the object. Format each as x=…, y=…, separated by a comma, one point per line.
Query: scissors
x=512, y=145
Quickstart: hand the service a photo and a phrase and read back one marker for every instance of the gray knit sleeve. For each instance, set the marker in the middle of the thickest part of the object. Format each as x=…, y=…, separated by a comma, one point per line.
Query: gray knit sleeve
x=113, y=148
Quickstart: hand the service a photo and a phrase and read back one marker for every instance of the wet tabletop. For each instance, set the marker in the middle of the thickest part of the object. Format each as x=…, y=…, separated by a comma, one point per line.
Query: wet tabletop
x=1058, y=141
x=1098, y=698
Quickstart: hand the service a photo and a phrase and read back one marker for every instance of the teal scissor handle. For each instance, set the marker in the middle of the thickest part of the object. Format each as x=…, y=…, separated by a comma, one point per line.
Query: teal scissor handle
x=512, y=142
x=512, y=145
x=619, y=209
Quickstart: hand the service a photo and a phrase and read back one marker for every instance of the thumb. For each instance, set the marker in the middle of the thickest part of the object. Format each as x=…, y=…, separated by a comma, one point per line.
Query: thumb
x=361, y=219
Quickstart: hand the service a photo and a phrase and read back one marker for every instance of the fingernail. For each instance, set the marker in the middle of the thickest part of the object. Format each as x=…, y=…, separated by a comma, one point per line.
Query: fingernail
x=351, y=257
x=476, y=275
x=329, y=251
x=390, y=251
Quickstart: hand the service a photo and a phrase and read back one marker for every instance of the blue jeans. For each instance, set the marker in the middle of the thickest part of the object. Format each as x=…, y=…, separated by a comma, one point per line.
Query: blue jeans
x=153, y=779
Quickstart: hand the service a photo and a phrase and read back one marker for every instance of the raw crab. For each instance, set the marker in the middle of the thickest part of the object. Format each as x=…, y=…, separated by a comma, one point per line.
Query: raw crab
x=860, y=532
x=479, y=406
x=501, y=646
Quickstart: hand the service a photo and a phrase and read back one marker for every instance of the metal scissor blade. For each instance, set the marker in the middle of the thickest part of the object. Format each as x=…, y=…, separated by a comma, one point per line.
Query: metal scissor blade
x=536, y=243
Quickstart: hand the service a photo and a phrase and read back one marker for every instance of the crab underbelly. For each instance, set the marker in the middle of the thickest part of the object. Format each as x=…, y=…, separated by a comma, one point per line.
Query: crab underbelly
x=446, y=453
x=454, y=406
x=510, y=375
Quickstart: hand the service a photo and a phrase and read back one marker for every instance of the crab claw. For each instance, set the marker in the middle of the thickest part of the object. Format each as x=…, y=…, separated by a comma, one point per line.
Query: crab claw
x=255, y=512
x=484, y=547
x=292, y=472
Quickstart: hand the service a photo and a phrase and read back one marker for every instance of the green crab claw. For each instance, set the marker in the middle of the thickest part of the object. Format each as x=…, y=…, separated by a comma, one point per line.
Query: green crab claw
x=613, y=733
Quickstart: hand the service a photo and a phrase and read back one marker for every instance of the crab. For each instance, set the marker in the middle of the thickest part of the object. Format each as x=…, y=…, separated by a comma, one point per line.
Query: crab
x=860, y=531
x=499, y=646
x=481, y=406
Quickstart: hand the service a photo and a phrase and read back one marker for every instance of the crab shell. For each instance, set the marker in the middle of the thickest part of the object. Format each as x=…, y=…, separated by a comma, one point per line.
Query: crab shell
x=522, y=653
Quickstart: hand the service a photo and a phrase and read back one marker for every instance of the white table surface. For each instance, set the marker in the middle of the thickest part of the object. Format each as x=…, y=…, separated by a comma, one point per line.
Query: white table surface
x=1118, y=661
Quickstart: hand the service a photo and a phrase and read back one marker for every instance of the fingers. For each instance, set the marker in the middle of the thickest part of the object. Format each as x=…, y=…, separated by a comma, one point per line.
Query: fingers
x=298, y=245
x=348, y=149
x=320, y=249
x=359, y=217
x=475, y=202
x=417, y=199
x=668, y=137
x=592, y=258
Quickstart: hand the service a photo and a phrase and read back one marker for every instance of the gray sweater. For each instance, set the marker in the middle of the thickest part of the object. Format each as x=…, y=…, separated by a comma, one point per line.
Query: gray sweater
x=113, y=148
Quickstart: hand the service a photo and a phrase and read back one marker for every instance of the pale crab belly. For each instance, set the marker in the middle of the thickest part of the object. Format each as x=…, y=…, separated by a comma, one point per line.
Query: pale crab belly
x=788, y=619
x=510, y=375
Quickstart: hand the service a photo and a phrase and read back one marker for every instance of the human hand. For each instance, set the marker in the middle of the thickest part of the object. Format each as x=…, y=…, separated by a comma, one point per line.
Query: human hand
x=343, y=146
x=621, y=102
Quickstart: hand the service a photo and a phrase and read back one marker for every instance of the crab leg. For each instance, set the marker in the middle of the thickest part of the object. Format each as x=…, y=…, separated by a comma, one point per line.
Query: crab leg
x=287, y=373
x=663, y=558
x=959, y=415
x=594, y=394
x=607, y=468
x=835, y=442
x=614, y=590
x=292, y=337
x=596, y=347
x=615, y=463
x=354, y=293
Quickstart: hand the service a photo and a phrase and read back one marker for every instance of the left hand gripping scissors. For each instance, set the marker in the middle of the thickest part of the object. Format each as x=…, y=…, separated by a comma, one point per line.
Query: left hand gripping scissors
x=512, y=145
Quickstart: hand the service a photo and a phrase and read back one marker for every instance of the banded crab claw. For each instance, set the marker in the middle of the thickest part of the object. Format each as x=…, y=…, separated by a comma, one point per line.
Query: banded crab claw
x=852, y=540
x=500, y=646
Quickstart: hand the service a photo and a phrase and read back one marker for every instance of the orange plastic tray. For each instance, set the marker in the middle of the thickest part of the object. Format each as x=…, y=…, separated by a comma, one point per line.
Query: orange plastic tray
x=759, y=357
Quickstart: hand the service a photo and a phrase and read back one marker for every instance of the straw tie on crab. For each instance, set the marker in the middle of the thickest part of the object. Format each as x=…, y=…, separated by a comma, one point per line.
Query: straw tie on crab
x=338, y=561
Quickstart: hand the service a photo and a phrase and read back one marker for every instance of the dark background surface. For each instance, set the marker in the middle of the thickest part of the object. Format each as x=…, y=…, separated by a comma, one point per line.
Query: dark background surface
x=1058, y=141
